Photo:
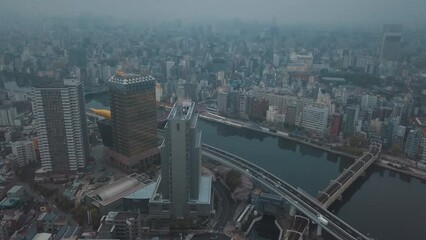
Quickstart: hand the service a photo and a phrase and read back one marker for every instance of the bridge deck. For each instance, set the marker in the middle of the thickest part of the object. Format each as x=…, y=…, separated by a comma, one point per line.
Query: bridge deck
x=339, y=185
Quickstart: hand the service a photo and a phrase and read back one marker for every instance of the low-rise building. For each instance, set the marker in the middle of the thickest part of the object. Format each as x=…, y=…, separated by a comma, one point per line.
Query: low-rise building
x=17, y=191
x=120, y=225
x=68, y=233
x=110, y=197
x=50, y=222
x=43, y=236
x=4, y=230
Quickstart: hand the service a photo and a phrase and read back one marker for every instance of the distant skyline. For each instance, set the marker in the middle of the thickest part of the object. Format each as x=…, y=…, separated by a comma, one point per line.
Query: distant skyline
x=322, y=12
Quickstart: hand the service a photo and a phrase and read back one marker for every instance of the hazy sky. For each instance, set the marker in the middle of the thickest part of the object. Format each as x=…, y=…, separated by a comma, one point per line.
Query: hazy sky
x=408, y=12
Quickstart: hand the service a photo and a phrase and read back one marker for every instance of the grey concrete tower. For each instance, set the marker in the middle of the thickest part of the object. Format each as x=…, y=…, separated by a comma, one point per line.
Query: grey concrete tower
x=180, y=158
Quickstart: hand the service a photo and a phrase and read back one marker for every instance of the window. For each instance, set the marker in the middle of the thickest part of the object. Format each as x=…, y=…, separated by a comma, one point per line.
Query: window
x=178, y=127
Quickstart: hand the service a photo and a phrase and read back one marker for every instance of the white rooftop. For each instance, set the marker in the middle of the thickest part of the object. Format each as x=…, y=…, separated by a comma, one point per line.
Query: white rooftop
x=42, y=236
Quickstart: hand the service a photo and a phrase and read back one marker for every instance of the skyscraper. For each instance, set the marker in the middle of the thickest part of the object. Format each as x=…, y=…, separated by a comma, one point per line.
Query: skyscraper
x=59, y=110
x=133, y=116
x=391, y=40
x=182, y=192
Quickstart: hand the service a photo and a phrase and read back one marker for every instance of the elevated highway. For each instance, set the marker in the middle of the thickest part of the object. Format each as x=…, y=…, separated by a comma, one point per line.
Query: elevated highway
x=305, y=204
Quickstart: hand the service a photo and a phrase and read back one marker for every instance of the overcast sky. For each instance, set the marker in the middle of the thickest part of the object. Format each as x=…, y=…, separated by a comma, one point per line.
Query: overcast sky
x=408, y=12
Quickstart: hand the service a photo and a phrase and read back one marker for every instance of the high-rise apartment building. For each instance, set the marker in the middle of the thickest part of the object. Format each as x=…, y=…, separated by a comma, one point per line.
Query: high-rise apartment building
x=182, y=191
x=134, y=119
x=59, y=110
x=222, y=102
x=391, y=41
x=315, y=118
x=23, y=152
x=412, y=145
x=290, y=113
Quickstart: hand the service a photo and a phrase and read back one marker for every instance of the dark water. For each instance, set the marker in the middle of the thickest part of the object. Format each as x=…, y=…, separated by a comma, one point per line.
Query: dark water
x=384, y=204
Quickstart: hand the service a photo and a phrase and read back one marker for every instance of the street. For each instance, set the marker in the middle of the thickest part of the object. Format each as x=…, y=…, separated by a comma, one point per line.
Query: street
x=226, y=206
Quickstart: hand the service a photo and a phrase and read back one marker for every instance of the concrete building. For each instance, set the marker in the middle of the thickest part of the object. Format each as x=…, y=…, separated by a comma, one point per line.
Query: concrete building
x=158, y=92
x=68, y=233
x=257, y=108
x=336, y=124
x=110, y=197
x=391, y=41
x=222, y=102
x=4, y=230
x=350, y=120
x=133, y=116
x=23, y=152
x=17, y=191
x=182, y=192
x=368, y=102
x=43, y=236
x=8, y=116
x=290, y=114
x=423, y=145
x=315, y=118
x=120, y=225
x=271, y=114
x=412, y=145
x=59, y=109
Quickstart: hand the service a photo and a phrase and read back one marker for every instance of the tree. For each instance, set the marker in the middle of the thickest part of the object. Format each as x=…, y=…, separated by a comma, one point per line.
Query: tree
x=395, y=150
x=79, y=214
x=233, y=179
x=96, y=217
x=357, y=140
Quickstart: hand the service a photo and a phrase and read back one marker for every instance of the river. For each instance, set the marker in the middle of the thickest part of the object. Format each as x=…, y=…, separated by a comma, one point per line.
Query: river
x=384, y=204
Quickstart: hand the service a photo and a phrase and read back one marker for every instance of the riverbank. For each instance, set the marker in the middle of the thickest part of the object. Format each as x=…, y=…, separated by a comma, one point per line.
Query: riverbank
x=247, y=125
x=241, y=124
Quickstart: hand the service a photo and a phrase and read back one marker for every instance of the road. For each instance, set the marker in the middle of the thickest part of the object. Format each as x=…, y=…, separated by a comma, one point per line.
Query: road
x=226, y=208
x=207, y=236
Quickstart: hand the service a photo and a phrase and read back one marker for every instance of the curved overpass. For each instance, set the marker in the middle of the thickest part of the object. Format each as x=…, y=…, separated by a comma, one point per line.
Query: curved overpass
x=306, y=204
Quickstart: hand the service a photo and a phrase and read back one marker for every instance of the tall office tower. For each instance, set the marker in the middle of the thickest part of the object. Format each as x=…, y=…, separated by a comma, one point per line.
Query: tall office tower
x=134, y=120
x=351, y=120
x=391, y=40
x=182, y=192
x=59, y=110
x=315, y=118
